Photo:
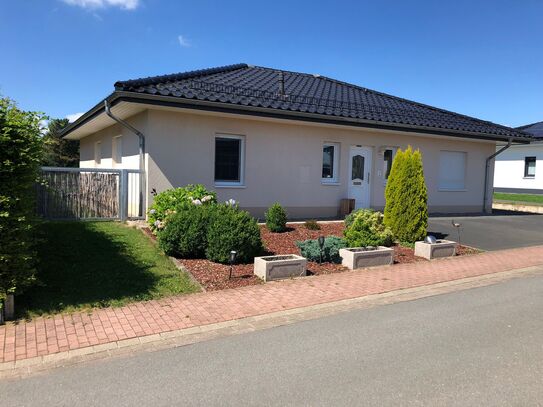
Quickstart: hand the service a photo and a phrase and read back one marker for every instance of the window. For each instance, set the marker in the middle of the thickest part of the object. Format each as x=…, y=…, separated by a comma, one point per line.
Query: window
x=330, y=161
x=98, y=153
x=529, y=167
x=388, y=156
x=229, y=157
x=452, y=170
x=118, y=150
x=357, y=172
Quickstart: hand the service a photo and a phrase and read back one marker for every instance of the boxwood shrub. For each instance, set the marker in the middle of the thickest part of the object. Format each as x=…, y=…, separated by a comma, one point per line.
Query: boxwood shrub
x=185, y=233
x=276, y=218
x=233, y=229
x=310, y=249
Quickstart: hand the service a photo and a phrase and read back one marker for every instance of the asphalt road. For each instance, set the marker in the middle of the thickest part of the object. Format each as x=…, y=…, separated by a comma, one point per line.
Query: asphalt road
x=476, y=347
x=495, y=232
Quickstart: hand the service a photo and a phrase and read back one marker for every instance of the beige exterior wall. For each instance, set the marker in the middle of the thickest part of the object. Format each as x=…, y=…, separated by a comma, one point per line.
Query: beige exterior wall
x=283, y=161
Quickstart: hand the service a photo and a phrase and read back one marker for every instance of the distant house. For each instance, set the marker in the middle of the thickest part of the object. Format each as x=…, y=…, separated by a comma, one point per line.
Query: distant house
x=261, y=135
x=519, y=169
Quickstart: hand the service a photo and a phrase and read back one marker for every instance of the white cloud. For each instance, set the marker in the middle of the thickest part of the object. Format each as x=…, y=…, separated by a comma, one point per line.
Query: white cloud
x=73, y=117
x=96, y=4
x=184, y=41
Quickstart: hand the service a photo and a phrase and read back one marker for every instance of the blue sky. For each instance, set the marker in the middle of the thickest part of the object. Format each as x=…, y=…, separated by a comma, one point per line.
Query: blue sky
x=480, y=58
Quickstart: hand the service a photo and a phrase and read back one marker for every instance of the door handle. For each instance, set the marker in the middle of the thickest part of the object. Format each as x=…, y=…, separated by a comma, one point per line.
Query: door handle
x=368, y=177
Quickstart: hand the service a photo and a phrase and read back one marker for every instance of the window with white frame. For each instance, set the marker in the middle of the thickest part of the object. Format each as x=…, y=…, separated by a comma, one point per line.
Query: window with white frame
x=117, y=150
x=98, y=153
x=529, y=167
x=229, y=159
x=330, y=162
x=452, y=170
x=388, y=157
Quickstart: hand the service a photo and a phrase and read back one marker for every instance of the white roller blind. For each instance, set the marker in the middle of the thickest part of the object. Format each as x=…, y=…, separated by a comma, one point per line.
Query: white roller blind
x=452, y=170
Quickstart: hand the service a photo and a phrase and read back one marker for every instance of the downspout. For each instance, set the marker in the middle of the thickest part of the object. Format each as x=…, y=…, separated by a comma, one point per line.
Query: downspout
x=141, y=138
x=487, y=168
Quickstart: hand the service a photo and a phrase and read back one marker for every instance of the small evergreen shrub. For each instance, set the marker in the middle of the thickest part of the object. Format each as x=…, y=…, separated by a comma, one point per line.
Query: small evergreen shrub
x=276, y=218
x=349, y=219
x=368, y=229
x=173, y=200
x=185, y=232
x=233, y=229
x=312, y=225
x=406, y=208
x=310, y=249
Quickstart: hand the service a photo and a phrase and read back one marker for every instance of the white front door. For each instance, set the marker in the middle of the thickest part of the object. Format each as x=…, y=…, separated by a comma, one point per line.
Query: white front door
x=360, y=176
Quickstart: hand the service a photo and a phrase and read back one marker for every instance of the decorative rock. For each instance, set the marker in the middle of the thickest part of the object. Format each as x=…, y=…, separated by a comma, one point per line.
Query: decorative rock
x=360, y=257
x=280, y=266
x=442, y=248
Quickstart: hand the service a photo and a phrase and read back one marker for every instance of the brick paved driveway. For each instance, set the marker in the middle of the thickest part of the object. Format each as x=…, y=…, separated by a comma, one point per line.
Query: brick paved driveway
x=44, y=336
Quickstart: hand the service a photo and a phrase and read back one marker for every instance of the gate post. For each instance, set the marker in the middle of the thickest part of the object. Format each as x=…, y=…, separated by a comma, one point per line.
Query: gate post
x=123, y=195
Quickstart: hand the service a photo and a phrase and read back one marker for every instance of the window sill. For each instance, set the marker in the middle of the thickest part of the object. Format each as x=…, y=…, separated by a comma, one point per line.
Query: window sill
x=451, y=190
x=331, y=183
x=529, y=177
x=233, y=186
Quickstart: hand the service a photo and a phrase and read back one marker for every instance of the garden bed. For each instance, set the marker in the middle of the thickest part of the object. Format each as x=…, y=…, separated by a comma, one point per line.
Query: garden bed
x=213, y=276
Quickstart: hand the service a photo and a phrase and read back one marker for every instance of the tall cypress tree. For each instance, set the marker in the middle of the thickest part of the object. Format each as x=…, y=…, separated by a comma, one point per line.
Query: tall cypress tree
x=406, y=208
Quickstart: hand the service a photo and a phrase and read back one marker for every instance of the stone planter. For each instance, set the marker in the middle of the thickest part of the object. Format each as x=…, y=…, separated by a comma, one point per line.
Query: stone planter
x=280, y=266
x=441, y=248
x=360, y=257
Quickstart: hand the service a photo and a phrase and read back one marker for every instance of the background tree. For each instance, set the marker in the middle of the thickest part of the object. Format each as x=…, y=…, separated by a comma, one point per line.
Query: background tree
x=406, y=208
x=20, y=156
x=59, y=152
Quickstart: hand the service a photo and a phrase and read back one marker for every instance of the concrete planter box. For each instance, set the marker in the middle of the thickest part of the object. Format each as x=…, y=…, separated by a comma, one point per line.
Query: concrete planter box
x=280, y=266
x=360, y=257
x=441, y=248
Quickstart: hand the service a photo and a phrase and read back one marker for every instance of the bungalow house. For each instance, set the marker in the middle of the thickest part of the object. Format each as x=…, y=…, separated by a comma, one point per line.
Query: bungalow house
x=261, y=135
x=519, y=168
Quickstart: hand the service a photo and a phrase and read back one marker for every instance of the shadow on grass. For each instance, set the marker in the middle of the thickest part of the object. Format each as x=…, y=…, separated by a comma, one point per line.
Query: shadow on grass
x=96, y=264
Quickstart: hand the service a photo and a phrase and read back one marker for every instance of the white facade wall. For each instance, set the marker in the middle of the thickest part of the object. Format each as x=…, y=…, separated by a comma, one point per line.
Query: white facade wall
x=509, y=169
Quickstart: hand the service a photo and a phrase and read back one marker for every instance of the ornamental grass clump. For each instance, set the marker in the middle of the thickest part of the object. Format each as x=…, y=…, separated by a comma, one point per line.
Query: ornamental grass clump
x=276, y=218
x=233, y=229
x=173, y=200
x=367, y=229
x=406, y=208
x=310, y=249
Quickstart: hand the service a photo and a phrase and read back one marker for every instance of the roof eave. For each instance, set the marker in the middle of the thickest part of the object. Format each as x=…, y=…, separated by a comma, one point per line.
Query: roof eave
x=136, y=97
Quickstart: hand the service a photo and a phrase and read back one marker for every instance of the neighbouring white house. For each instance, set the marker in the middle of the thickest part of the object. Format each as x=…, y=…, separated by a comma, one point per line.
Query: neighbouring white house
x=519, y=169
x=261, y=135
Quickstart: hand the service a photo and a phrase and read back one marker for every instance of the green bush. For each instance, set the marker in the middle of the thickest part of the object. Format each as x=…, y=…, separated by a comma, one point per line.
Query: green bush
x=173, y=200
x=406, y=208
x=312, y=225
x=276, y=218
x=20, y=154
x=310, y=249
x=185, y=232
x=367, y=229
x=349, y=219
x=233, y=229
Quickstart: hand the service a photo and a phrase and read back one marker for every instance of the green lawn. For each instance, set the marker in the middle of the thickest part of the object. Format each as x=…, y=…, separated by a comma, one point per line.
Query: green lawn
x=97, y=264
x=521, y=198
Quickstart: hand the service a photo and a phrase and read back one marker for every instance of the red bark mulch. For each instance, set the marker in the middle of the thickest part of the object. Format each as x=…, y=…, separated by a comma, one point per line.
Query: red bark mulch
x=214, y=276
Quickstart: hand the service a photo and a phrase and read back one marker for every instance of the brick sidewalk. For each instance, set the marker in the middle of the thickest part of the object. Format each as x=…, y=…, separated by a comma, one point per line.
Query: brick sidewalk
x=59, y=333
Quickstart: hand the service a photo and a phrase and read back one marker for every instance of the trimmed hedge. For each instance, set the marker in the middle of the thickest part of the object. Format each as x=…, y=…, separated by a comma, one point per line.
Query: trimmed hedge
x=367, y=229
x=406, y=209
x=233, y=229
x=310, y=249
x=185, y=232
x=276, y=218
x=20, y=154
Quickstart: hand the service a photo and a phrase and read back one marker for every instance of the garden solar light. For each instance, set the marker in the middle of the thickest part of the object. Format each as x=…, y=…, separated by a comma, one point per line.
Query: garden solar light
x=233, y=255
x=457, y=226
x=321, y=246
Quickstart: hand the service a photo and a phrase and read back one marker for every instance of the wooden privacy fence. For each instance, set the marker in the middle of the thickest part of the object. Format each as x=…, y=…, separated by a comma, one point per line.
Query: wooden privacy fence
x=90, y=193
